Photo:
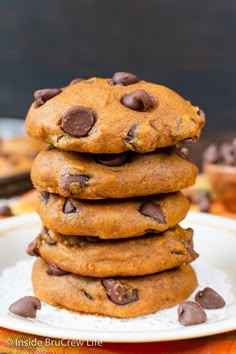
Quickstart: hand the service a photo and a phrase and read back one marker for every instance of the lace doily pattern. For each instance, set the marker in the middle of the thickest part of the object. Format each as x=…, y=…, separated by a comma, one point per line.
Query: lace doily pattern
x=19, y=279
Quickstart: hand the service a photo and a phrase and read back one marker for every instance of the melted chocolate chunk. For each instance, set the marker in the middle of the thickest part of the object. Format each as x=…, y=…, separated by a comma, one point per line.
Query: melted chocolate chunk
x=191, y=313
x=75, y=81
x=68, y=207
x=154, y=211
x=54, y=270
x=189, y=246
x=131, y=134
x=32, y=249
x=209, y=299
x=124, y=79
x=67, y=180
x=44, y=195
x=27, y=306
x=42, y=96
x=112, y=160
x=138, y=100
x=88, y=295
x=120, y=293
x=77, y=121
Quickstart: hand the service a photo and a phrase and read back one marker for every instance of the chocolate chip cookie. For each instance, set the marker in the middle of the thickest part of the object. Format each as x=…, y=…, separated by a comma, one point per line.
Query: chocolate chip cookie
x=88, y=176
x=17, y=154
x=112, y=116
x=113, y=218
x=91, y=256
x=116, y=297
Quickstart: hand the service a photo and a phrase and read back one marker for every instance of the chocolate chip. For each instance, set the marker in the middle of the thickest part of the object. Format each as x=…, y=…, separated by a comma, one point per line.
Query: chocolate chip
x=189, y=246
x=209, y=299
x=211, y=154
x=75, y=81
x=191, y=140
x=120, y=293
x=124, y=79
x=138, y=100
x=88, y=295
x=44, y=196
x=112, y=160
x=32, y=249
x=27, y=306
x=68, y=207
x=154, y=211
x=131, y=134
x=77, y=121
x=42, y=96
x=204, y=202
x=191, y=313
x=201, y=113
x=67, y=181
x=54, y=270
x=182, y=152
x=5, y=210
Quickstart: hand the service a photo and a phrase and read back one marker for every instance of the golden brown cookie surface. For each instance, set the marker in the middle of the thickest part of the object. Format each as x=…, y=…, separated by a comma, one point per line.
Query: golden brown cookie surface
x=116, y=297
x=113, y=218
x=86, y=176
x=101, y=116
x=94, y=257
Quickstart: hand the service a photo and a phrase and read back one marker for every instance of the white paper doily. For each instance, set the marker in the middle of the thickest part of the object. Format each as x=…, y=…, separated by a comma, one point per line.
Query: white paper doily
x=19, y=279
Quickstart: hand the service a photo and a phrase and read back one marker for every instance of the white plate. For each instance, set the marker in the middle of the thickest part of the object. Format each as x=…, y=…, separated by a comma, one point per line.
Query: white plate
x=215, y=240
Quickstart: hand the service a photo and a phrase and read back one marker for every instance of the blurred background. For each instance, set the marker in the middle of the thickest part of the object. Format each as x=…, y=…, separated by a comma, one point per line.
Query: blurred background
x=186, y=45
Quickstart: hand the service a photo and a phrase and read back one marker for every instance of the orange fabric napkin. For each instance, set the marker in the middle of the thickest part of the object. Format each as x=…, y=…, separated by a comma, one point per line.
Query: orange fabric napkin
x=20, y=343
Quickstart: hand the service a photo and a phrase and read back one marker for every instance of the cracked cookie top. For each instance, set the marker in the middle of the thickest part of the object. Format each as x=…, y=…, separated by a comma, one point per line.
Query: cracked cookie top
x=112, y=116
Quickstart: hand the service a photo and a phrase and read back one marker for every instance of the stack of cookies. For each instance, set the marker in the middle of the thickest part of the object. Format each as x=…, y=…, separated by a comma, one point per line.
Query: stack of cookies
x=110, y=199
